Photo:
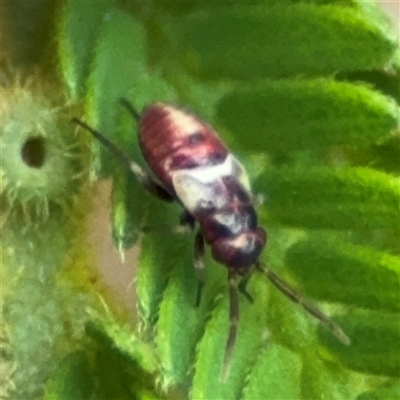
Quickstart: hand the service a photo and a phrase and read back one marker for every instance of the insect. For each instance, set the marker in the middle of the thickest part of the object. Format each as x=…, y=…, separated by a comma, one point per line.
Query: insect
x=195, y=168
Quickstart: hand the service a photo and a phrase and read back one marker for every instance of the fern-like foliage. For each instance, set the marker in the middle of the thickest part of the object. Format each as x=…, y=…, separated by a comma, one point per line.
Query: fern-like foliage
x=306, y=93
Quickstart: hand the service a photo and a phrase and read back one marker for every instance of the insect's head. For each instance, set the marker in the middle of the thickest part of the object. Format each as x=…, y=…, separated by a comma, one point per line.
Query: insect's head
x=240, y=252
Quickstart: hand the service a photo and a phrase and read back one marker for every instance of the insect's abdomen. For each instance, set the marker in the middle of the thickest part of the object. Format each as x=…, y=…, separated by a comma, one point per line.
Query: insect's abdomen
x=172, y=139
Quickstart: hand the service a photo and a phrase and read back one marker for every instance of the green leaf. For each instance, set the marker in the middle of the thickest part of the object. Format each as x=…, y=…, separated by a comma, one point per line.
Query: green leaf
x=322, y=198
x=296, y=115
x=386, y=156
x=293, y=328
x=124, y=365
x=326, y=379
x=78, y=29
x=375, y=345
x=125, y=218
x=277, y=375
x=179, y=322
x=335, y=270
x=186, y=6
x=388, y=390
x=110, y=334
x=161, y=250
x=386, y=81
x=74, y=379
x=127, y=61
x=207, y=381
x=280, y=40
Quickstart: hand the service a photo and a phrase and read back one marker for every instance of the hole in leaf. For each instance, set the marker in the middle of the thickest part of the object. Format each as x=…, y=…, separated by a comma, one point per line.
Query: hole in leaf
x=33, y=152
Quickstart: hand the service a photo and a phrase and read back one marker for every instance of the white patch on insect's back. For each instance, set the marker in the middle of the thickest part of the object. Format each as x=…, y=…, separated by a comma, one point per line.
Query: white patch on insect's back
x=240, y=174
x=202, y=187
x=195, y=194
x=230, y=221
x=244, y=242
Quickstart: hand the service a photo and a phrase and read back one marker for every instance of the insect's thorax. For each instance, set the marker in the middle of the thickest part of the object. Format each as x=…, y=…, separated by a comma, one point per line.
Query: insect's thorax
x=223, y=187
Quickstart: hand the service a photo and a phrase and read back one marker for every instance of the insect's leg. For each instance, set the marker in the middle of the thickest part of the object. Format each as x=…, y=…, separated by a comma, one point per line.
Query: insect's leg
x=296, y=297
x=233, y=319
x=199, y=266
x=243, y=284
x=141, y=175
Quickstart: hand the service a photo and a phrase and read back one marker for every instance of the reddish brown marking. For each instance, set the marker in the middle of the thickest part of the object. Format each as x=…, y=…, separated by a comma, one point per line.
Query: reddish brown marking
x=172, y=139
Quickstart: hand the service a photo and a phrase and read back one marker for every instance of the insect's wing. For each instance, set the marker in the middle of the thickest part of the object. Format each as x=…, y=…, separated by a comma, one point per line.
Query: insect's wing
x=204, y=187
x=197, y=195
x=240, y=174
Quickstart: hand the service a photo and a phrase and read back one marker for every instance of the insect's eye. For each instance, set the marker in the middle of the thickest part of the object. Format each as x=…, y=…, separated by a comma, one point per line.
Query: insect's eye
x=196, y=138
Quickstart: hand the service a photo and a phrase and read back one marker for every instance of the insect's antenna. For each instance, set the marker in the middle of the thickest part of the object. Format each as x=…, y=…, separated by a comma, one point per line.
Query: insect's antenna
x=102, y=139
x=233, y=318
x=133, y=166
x=296, y=297
x=140, y=174
x=130, y=108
